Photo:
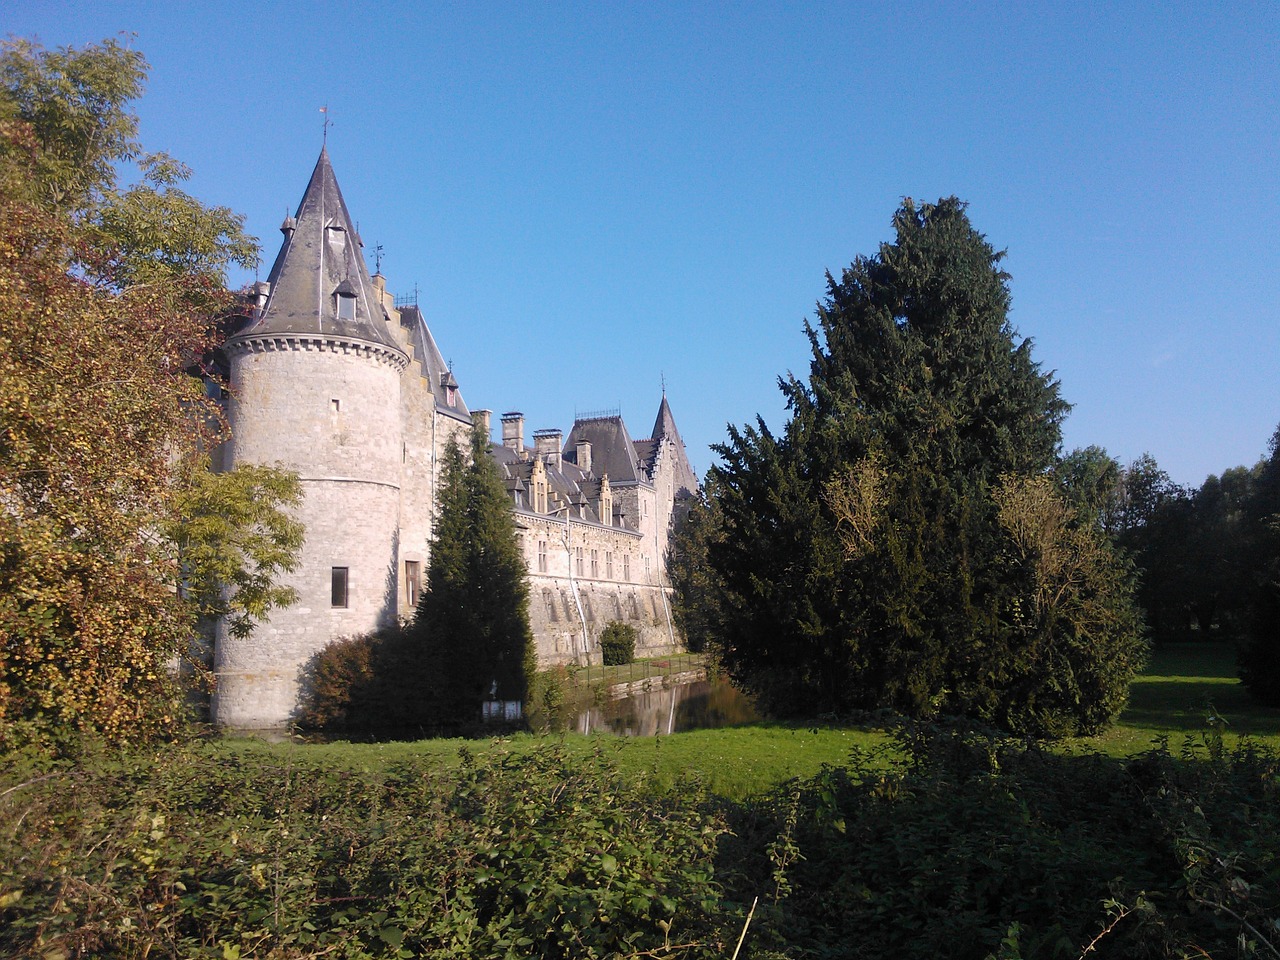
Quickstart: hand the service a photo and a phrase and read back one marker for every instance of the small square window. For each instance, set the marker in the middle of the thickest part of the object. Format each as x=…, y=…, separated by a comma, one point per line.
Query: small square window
x=340, y=586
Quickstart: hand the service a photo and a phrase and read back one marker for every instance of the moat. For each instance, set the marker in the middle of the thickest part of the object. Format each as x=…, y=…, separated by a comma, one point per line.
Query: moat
x=661, y=710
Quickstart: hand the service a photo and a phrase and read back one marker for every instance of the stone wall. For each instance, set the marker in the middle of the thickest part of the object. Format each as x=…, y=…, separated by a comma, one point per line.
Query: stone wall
x=316, y=409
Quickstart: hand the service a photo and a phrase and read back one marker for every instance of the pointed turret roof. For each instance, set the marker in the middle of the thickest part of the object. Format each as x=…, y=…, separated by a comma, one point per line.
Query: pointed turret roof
x=320, y=284
x=664, y=428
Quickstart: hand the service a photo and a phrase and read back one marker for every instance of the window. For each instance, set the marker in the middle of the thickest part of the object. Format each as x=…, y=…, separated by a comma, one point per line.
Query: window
x=608, y=564
x=346, y=306
x=579, y=558
x=595, y=564
x=412, y=581
x=542, y=556
x=335, y=405
x=626, y=567
x=339, y=585
x=550, y=600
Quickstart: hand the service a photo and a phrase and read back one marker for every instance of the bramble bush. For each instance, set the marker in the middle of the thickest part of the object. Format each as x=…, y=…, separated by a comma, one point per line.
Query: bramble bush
x=198, y=852
x=952, y=843
x=962, y=844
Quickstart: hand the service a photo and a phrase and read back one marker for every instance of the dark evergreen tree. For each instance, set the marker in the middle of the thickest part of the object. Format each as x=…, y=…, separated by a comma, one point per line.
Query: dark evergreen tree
x=866, y=557
x=471, y=634
x=696, y=588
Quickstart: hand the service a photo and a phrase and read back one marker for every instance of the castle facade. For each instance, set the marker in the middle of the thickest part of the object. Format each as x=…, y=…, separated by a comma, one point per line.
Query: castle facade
x=330, y=379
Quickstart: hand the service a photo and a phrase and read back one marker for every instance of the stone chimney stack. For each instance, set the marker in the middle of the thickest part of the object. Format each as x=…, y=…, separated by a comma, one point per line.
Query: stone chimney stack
x=584, y=456
x=546, y=444
x=513, y=431
x=484, y=418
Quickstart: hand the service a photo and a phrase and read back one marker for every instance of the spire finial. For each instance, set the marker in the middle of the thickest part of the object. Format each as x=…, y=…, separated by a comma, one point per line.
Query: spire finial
x=324, y=137
x=664, y=385
x=377, y=257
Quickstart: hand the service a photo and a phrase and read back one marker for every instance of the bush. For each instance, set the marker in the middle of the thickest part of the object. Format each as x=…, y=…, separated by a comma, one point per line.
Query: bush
x=959, y=844
x=340, y=678
x=198, y=852
x=617, y=644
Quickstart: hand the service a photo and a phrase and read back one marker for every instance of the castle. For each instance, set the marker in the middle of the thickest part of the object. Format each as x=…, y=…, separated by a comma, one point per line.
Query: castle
x=330, y=379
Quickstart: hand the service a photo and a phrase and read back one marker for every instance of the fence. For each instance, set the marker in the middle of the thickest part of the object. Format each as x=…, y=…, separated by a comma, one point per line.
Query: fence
x=638, y=670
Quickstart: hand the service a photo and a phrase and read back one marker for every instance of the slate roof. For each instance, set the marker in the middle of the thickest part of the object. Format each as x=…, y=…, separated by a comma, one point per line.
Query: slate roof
x=664, y=427
x=320, y=258
x=612, y=452
x=431, y=363
x=567, y=485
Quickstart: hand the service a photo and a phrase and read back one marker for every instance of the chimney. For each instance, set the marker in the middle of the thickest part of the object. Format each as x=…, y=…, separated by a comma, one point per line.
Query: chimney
x=546, y=444
x=513, y=431
x=584, y=456
x=484, y=419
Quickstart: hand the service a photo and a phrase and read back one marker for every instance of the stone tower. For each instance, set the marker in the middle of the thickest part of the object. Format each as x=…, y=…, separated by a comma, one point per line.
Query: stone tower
x=315, y=383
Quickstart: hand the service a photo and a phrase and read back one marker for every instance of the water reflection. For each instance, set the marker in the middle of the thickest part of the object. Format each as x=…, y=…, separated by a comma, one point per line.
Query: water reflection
x=699, y=705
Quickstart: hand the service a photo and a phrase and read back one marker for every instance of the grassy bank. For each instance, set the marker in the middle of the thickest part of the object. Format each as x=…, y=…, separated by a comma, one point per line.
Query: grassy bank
x=1175, y=698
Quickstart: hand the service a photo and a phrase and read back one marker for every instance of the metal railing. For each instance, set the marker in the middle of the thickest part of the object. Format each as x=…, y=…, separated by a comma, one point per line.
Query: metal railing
x=657, y=667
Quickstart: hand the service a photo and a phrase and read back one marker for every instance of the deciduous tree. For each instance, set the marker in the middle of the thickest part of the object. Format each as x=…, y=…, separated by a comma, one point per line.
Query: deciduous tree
x=107, y=296
x=1260, y=654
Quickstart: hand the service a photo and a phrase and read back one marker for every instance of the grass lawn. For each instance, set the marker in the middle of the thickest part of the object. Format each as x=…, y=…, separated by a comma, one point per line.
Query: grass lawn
x=1172, y=700
x=1181, y=688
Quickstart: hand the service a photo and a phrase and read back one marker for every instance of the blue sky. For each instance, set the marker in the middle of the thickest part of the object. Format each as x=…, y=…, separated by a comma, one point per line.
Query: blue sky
x=590, y=198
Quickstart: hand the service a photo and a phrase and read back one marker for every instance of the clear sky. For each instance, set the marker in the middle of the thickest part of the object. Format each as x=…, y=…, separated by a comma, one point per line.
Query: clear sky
x=592, y=197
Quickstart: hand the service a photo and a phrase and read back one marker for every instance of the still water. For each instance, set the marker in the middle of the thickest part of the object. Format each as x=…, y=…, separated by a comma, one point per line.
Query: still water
x=702, y=704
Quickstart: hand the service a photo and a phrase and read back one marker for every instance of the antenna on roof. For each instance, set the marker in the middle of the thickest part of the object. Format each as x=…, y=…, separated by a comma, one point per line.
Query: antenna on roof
x=325, y=126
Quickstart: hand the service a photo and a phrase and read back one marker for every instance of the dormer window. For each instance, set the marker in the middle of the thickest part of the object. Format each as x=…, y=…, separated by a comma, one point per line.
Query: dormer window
x=450, y=386
x=345, y=301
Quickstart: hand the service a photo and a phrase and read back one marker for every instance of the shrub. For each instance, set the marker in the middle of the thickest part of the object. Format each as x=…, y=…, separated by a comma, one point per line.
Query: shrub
x=198, y=852
x=347, y=688
x=617, y=644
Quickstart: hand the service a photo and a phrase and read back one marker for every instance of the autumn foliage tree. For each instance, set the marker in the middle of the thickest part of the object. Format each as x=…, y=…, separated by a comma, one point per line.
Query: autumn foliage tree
x=107, y=295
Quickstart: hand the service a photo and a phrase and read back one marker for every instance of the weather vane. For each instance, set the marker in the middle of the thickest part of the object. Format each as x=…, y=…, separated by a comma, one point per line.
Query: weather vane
x=377, y=258
x=325, y=126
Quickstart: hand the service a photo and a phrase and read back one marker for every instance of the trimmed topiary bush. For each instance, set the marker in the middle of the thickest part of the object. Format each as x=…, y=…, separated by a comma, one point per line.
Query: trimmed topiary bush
x=617, y=644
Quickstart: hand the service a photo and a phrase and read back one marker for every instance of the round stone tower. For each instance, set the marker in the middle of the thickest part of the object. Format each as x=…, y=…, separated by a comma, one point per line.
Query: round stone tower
x=315, y=388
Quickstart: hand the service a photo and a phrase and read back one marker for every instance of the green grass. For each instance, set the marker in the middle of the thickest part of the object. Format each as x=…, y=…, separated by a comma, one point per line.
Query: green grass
x=734, y=762
x=1171, y=700
x=1182, y=687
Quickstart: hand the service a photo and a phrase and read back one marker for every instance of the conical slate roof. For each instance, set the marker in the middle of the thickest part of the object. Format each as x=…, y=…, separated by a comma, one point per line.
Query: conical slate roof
x=319, y=282
x=664, y=427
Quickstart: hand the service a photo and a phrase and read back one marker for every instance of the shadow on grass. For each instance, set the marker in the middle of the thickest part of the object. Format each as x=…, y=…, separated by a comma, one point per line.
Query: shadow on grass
x=1185, y=685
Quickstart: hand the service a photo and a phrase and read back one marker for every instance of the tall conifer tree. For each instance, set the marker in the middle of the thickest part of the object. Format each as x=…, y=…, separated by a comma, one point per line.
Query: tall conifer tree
x=866, y=558
x=471, y=629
